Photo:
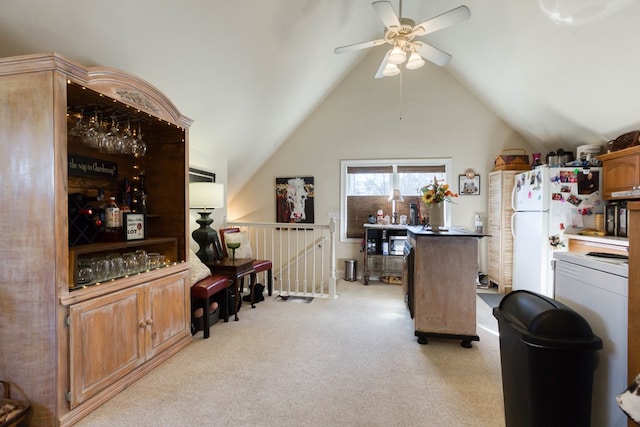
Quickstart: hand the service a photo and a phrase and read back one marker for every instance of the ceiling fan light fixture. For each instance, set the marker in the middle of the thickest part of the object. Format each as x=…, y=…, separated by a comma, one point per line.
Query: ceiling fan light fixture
x=397, y=56
x=415, y=61
x=390, y=70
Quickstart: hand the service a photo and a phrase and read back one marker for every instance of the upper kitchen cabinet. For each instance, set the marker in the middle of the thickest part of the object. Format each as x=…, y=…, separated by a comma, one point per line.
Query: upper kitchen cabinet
x=66, y=294
x=621, y=174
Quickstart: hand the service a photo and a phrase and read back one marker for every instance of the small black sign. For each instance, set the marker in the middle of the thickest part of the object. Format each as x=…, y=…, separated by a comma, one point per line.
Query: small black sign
x=86, y=166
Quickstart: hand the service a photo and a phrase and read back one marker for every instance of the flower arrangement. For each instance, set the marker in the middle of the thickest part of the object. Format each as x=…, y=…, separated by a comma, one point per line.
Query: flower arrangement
x=437, y=193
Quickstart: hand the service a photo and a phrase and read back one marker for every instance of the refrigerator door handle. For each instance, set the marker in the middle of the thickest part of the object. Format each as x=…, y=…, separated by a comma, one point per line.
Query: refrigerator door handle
x=513, y=224
x=513, y=198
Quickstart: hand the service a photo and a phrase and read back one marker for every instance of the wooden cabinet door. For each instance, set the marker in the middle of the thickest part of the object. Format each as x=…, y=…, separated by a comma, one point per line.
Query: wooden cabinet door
x=105, y=341
x=500, y=268
x=168, y=312
x=444, y=285
x=620, y=174
x=494, y=227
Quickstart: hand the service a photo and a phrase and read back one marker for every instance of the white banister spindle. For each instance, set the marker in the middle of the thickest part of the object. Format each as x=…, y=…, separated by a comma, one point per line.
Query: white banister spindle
x=299, y=255
x=332, y=259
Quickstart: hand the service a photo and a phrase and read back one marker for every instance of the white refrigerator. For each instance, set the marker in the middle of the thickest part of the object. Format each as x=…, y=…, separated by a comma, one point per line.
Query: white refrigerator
x=546, y=203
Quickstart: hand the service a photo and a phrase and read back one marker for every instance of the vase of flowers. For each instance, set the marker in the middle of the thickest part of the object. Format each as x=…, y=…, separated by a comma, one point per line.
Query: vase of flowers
x=434, y=196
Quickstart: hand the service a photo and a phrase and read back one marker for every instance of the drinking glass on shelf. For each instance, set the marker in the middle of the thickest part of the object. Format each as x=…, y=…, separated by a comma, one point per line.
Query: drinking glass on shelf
x=130, y=261
x=116, y=265
x=85, y=272
x=142, y=260
x=103, y=269
x=154, y=260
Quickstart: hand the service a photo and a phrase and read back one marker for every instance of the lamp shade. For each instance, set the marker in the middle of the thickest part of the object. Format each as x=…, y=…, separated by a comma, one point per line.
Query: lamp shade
x=415, y=61
x=206, y=195
x=396, y=196
x=390, y=70
x=396, y=56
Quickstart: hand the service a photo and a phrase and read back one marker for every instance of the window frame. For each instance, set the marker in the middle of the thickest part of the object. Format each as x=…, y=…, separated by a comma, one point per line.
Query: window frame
x=447, y=162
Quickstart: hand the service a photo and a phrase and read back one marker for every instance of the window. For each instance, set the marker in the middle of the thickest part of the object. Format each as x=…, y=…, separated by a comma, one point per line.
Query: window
x=367, y=184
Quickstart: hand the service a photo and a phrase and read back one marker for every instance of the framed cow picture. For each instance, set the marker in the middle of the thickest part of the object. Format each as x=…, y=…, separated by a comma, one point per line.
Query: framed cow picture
x=294, y=200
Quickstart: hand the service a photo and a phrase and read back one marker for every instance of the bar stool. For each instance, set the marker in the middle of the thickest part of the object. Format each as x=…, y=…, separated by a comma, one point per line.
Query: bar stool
x=201, y=293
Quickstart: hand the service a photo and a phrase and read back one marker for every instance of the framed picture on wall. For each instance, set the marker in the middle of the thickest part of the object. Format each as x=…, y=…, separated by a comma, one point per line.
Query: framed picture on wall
x=469, y=186
x=294, y=200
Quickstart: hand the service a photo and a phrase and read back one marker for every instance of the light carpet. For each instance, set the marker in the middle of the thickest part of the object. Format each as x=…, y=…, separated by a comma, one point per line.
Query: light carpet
x=350, y=361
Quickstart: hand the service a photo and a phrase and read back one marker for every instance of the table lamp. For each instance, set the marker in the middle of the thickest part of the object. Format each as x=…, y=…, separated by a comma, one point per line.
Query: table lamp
x=203, y=196
x=395, y=197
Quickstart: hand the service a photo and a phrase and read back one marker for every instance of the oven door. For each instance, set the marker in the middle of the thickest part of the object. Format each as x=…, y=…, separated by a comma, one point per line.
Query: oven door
x=407, y=275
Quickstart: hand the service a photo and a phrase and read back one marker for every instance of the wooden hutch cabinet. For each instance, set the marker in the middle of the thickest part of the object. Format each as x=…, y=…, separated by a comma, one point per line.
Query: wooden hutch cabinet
x=621, y=174
x=68, y=346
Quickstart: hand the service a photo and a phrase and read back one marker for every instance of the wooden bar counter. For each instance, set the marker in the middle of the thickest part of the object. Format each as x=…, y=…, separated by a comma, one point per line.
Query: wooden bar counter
x=442, y=285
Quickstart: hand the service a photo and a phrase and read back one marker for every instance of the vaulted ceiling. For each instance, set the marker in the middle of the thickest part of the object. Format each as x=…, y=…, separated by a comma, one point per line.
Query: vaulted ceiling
x=561, y=72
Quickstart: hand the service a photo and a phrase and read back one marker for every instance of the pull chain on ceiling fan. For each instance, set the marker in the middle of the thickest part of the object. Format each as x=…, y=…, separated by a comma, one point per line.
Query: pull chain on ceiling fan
x=401, y=32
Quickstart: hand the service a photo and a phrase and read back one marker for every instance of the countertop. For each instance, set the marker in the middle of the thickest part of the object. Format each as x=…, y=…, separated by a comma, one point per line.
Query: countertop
x=610, y=240
x=387, y=226
x=451, y=232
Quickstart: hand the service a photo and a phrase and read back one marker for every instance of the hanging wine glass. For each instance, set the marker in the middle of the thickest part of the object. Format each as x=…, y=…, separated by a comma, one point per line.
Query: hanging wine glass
x=79, y=130
x=133, y=144
x=92, y=134
x=127, y=139
x=141, y=146
x=113, y=141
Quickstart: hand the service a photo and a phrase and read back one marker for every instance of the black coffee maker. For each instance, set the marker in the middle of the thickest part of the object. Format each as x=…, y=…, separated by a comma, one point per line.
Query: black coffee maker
x=413, y=214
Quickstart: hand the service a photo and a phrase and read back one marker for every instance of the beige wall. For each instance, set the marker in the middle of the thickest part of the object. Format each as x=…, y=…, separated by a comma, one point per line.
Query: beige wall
x=203, y=155
x=426, y=114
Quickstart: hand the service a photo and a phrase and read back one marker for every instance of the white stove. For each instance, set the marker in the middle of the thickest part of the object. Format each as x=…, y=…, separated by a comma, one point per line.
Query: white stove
x=605, y=263
x=597, y=288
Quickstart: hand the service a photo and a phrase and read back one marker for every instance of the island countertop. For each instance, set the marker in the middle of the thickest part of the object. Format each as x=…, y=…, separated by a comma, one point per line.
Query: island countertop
x=419, y=231
x=441, y=272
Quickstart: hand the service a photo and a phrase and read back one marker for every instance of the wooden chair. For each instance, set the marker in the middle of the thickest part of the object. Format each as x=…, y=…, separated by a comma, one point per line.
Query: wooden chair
x=260, y=265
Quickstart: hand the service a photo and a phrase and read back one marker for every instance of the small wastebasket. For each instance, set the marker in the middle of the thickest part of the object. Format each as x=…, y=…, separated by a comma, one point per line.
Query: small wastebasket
x=350, y=270
x=547, y=355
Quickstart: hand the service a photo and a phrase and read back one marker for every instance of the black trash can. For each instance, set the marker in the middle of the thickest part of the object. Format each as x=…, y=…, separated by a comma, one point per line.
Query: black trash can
x=548, y=355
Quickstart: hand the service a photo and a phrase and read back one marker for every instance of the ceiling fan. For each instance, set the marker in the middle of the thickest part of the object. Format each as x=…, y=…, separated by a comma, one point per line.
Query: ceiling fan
x=401, y=34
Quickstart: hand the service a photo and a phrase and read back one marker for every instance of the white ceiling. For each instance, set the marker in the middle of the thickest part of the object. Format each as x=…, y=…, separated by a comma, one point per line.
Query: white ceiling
x=250, y=71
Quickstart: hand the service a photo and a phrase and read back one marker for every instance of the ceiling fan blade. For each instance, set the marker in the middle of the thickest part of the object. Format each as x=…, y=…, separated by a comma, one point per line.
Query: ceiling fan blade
x=357, y=46
x=444, y=20
x=432, y=54
x=383, y=64
x=387, y=14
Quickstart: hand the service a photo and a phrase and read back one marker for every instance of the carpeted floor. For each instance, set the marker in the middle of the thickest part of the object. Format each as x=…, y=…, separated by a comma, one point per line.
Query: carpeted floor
x=351, y=361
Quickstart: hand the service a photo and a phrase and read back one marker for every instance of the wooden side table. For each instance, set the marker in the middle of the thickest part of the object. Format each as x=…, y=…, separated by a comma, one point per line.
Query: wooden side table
x=235, y=270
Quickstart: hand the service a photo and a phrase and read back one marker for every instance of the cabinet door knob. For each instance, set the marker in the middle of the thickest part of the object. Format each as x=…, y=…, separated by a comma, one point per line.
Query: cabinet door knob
x=142, y=325
x=149, y=322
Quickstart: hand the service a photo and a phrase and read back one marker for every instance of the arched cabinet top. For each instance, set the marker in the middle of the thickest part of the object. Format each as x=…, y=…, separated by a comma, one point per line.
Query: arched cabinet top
x=111, y=82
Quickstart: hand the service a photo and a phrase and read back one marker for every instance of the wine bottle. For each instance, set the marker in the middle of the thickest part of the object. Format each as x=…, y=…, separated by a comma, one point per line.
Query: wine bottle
x=142, y=196
x=112, y=216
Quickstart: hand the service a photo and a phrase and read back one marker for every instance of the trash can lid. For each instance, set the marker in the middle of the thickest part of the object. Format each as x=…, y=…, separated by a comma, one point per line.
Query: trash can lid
x=545, y=322
x=562, y=328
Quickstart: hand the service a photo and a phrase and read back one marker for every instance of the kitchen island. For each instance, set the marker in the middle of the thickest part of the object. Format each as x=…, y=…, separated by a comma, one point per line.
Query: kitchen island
x=441, y=283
